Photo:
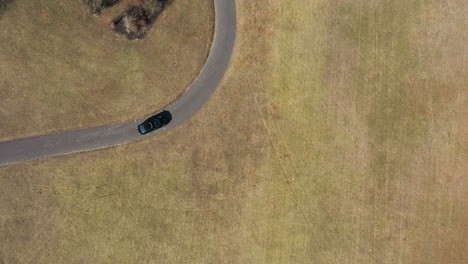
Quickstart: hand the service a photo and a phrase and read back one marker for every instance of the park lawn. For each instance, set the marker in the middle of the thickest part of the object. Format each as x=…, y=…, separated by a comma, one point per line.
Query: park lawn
x=62, y=69
x=337, y=136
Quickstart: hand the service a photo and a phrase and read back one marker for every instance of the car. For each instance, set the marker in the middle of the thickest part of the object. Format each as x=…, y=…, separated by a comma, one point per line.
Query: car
x=155, y=122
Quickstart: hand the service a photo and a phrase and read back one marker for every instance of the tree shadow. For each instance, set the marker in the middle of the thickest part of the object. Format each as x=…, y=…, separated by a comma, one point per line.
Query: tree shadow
x=109, y=3
x=4, y=5
x=96, y=6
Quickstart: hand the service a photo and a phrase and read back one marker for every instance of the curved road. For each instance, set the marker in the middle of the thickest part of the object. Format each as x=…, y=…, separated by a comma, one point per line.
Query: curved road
x=110, y=135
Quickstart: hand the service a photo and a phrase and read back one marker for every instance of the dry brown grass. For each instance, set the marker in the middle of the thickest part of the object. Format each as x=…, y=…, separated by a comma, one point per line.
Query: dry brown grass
x=321, y=146
x=366, y=114
x=61, y=69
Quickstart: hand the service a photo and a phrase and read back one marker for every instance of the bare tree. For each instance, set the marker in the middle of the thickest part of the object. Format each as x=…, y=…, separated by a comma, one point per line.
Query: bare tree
x=136, y=21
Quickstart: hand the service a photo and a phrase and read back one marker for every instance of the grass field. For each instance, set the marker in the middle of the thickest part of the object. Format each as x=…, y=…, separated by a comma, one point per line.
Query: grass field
x=368, y=117
x=62, y=69
x=337, y=136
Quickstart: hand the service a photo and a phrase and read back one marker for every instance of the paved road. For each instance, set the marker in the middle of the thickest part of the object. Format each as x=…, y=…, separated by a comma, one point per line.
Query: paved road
x=110, y=135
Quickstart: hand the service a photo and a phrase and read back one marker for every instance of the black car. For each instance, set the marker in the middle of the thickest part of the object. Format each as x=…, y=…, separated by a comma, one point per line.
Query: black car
x=155, y=122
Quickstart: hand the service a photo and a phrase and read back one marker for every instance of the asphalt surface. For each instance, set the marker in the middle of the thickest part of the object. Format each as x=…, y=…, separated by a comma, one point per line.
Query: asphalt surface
x=110, y=135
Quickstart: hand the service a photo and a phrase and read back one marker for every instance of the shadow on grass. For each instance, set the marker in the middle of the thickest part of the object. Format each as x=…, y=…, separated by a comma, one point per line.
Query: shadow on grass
x=96, y=6
x=4, y=5
x=110, y=3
